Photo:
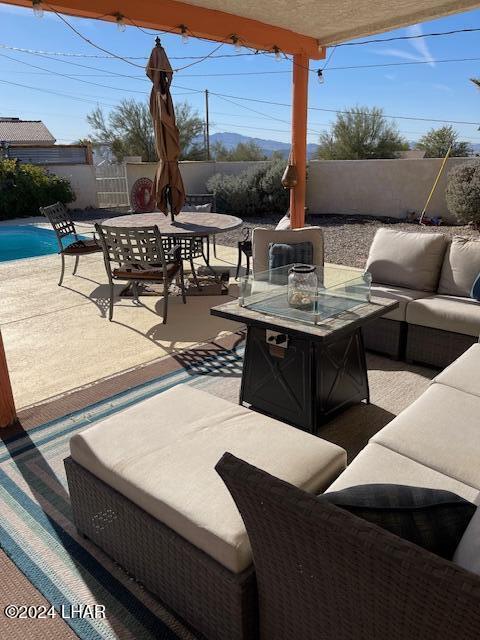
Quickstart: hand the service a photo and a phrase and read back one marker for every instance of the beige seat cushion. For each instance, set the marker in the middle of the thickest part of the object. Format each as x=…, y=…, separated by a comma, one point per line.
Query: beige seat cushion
x=449, y=313
x=464, y=373
x=405, y=259
x=379, y=465
x=403, y=296
x=461, y=267
x=262, y=238
x=161, y=454
x=440, y=430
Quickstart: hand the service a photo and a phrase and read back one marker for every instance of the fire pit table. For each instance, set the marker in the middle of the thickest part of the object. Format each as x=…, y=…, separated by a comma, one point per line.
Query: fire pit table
x=304, y=365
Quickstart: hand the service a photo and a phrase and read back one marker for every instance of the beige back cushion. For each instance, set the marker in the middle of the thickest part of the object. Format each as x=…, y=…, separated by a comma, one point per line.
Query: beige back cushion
x=406, y=259
x=262, y=238
x=461, y=267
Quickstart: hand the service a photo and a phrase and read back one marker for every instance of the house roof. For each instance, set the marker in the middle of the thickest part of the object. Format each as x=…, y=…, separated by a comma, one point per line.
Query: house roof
x=16, y=131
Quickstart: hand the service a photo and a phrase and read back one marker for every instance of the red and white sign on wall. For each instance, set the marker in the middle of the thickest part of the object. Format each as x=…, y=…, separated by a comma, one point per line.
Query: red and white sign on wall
x=141, y=196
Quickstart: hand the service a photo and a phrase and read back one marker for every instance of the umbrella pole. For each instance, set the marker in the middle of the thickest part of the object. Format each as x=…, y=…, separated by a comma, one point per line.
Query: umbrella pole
x=169, y=201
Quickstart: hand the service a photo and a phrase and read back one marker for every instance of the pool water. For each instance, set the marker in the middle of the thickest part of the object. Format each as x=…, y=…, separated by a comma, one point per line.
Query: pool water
x=27, y=241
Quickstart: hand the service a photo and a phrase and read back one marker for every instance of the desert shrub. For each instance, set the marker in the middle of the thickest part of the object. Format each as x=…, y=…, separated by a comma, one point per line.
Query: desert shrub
x=25, y=187
x=256, y=191
x=463, y=192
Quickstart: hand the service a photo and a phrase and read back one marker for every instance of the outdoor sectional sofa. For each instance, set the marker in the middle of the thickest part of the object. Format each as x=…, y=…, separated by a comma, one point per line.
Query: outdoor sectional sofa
x=431, y=276
x=143, y=487
x=326, y=574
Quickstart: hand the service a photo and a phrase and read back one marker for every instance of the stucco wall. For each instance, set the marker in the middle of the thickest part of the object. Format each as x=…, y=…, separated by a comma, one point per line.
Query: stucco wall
x=195, y=174
x=377, y=187
x=352, y=187
x=82, y=179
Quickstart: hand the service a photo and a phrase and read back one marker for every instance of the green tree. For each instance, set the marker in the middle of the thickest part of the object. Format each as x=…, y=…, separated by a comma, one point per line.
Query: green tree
x=128, y=130
x=244, y=151
x=190, y=126
x=361, y=133
x=436, y=142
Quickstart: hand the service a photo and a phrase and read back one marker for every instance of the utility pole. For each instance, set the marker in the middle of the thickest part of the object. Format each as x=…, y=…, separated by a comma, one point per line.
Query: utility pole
x=207, y=127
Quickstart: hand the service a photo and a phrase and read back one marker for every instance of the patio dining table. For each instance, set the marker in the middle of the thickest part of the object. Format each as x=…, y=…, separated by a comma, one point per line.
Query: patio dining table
x=186, y=224
x=185, y=227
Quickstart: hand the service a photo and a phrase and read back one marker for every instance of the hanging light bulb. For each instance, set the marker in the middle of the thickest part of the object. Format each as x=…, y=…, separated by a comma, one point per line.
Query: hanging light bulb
x=277, y=52
x=37, y=8
x=184, y=32
x=120, y=18
x=321, y=77
x=236, y=41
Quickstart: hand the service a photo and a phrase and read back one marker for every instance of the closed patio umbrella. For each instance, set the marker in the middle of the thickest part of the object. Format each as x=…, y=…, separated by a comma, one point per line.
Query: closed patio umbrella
x=168, y=189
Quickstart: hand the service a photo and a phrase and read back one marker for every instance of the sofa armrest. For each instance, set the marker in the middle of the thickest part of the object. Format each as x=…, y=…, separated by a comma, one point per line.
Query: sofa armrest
x=334, y=575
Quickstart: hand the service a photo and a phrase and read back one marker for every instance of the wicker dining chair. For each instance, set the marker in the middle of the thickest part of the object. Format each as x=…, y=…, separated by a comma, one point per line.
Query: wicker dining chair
x=61, y=220
x=139, y=256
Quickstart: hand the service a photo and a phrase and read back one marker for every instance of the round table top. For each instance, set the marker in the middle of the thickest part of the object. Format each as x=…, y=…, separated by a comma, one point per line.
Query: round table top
x=186, y=223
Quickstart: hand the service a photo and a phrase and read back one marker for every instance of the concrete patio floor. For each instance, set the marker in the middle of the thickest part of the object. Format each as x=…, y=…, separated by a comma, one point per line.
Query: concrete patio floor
x=58, y=339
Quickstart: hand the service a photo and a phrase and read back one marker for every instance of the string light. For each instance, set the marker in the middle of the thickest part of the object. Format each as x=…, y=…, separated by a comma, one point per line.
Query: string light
x=277, y=52
x=120, y=19
x=184, y=32
x=236, y=41
x=37, y=8
x=321, y=77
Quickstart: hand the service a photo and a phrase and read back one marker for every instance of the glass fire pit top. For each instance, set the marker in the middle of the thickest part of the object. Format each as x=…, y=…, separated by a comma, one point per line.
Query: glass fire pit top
x=338, y=290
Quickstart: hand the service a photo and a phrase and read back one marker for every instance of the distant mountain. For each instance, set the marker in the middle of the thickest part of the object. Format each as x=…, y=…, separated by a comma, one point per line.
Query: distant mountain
x=230, y=141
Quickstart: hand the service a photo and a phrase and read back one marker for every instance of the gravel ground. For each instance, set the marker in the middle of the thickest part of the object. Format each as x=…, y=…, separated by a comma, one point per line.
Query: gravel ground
x=347, y=238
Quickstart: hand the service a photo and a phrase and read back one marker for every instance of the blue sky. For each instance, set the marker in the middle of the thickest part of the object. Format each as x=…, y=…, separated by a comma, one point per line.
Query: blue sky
x=432, y=90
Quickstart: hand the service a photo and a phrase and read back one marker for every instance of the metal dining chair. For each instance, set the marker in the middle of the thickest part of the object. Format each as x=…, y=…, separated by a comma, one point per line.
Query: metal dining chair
x=196, y=199
x=139, y=256
x=61, y=220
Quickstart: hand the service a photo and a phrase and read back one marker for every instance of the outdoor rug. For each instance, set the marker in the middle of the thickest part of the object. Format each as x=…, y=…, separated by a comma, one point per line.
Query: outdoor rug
x=36, y=529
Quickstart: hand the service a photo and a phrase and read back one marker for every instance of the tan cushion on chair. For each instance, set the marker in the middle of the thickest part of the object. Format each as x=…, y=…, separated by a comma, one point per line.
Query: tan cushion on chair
x=82, y=247
x=405, y=259
x=379, y=465
x=151, y=272
x=262, y=238
x=461, y=266
x=161, y=454
x=440, y=430
x=464, y=373
x=448, y=313
x=401, y=295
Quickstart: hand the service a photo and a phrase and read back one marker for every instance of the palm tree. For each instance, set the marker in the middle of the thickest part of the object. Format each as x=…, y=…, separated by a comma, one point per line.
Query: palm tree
x=475, y=81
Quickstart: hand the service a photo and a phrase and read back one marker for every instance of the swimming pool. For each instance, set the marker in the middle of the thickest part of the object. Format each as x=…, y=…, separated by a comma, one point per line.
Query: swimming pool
x=26, y=241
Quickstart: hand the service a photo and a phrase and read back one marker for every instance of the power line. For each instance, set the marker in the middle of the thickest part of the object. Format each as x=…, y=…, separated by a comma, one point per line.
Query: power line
x=412, y=37
x=56, y=93
x=342, y=68
x=49, y=55
x=401, y=64
x=257, y=112
x=69, y=77
x=284, y=104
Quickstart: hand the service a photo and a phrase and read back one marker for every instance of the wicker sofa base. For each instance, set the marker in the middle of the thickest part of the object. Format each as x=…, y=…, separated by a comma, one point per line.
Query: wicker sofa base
x=435, y=347
x=386, y=337
x=215, y=602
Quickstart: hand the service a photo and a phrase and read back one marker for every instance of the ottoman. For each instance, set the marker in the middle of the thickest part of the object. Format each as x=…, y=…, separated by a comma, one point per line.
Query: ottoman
x=143, y=487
